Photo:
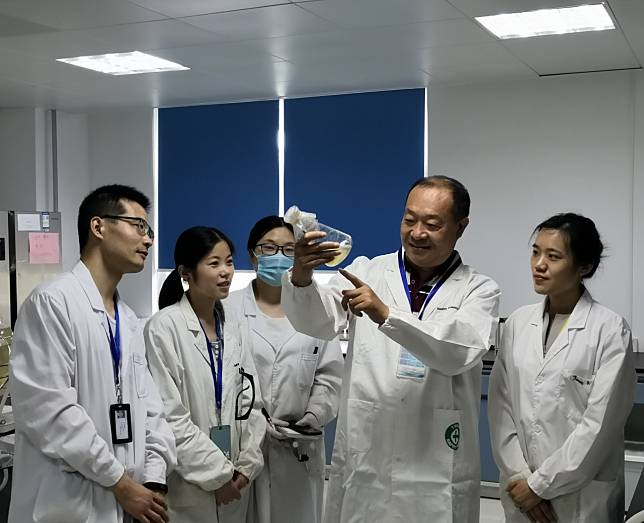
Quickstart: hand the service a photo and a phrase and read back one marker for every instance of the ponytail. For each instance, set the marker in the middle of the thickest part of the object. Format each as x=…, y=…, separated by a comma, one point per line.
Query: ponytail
x=171, y=291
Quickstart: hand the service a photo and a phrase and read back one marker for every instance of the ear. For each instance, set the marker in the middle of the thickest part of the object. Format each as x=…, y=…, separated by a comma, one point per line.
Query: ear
x=253, y=259
x=462, y=225
x=185, y=274
x=96, y=227
x=585, y=269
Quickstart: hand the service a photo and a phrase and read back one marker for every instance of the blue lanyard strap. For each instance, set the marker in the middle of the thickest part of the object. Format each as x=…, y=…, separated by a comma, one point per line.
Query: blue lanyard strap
x=115, y=349
x=217, y=372
x=453, y=264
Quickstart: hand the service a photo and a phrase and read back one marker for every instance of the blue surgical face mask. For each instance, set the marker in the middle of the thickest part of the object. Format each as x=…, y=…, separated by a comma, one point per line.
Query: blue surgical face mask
x=271, y=268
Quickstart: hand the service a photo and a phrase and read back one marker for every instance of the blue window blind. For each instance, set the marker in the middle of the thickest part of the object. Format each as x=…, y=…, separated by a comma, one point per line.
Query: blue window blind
x=218, y=166
x=351, y=159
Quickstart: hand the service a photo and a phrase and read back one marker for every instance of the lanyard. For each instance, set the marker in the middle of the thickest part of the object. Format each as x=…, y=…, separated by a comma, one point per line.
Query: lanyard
x=115, y=349
x=217, y=372
x=455, y=262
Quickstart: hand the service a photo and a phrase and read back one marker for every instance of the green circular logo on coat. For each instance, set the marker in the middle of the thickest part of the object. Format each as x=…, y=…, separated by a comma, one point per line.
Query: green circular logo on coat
x=453, y=436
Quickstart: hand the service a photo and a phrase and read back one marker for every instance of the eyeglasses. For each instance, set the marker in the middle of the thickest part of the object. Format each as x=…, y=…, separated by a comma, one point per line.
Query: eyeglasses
x=251, y=385
x=270, y=249
x=141, y=225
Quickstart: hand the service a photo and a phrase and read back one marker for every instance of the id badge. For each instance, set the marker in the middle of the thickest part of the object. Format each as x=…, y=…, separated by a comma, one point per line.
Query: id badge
x=121, y=423
x=409, y=366
x=220, y=436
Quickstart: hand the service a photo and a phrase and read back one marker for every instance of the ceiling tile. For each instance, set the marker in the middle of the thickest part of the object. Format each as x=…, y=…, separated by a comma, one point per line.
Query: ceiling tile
x=267, y=22
x=349, y=45
x=62, y=44
x=151, y=35
x=373, y=13
x=213, y=58
x=181, y=8
x=485, y=60
x=77, y=14
x=14, y=66
x=10, y=26
x=571, y=53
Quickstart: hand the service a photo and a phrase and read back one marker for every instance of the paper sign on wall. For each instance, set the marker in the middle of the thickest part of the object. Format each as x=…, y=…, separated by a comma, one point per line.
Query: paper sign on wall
x=44, y=247
x=28, y=222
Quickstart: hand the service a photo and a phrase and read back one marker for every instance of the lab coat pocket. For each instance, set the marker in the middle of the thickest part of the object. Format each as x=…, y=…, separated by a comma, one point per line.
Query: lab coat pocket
x=446, y=435
x=140, y=375
x=575, y=390
x=306, y=372
x=360, y=421
x=64, y=496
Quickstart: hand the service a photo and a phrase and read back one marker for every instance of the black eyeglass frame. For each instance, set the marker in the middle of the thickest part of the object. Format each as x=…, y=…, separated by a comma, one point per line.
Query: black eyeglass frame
x=277, y=248
x=249, y=377
x=141, y=224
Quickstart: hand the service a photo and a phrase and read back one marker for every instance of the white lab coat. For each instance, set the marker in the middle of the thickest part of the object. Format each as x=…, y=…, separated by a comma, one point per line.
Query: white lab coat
x=180, y=365
x=62, y=384
x=392, y=461
x=566, y=438
x=302, y=374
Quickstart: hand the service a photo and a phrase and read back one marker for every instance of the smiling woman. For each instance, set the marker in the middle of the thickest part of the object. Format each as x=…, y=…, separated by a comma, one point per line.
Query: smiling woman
x=198, y=362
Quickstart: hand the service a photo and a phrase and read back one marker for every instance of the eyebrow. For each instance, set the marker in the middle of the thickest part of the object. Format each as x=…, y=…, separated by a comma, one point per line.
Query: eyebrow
x=432, y=216
x=548, y=249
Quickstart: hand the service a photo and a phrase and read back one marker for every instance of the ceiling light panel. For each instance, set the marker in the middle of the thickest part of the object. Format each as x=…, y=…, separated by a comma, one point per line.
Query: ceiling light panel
x=548, y=22
x=119, y=64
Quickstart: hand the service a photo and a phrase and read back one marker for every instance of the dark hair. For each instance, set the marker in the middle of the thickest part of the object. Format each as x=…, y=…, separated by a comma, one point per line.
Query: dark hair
x=460, y=196
x=106, y=200
x=264, y=225
x=192, y=246
x=583, y=238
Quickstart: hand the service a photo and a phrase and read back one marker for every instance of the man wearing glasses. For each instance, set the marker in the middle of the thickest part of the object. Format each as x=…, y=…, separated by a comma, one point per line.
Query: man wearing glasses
x=91, y=442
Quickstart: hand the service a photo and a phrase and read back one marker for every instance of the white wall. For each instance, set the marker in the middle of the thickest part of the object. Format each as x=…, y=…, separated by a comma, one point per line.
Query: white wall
x=529, y=149
x=23, y=176
x=121, y=151
x=73, y=178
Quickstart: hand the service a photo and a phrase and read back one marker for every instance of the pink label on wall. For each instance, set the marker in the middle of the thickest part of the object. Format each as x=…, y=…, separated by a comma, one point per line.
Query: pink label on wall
x=44, y=247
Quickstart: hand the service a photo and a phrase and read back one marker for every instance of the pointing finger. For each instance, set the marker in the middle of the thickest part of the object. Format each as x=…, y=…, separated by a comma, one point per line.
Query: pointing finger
x=357, y=282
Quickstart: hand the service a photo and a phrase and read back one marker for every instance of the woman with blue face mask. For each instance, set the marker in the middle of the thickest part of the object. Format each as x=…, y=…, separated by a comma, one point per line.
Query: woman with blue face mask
x=299, y=378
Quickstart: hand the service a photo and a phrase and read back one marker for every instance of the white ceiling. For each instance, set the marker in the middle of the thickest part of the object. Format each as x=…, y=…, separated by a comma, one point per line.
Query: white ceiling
x=262, y=49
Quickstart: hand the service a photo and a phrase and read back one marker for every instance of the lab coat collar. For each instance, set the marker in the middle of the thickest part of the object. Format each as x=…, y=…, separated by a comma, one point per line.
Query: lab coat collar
x=82, y=274
x=249, y=305
x=194, y=326
x=578, y=319
x=249, y=310
x=396, y=288
x=129, y=320
x=192, y=322
x=392, y=277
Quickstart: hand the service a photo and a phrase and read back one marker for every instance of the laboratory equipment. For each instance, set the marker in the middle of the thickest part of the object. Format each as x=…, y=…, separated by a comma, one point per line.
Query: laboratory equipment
x=304, y=222
x=30, y=253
